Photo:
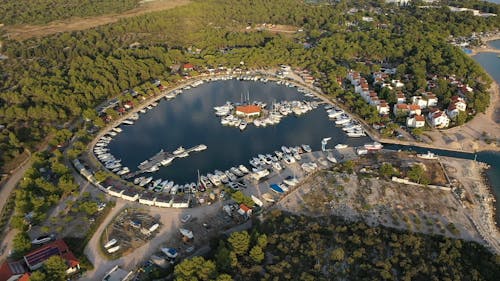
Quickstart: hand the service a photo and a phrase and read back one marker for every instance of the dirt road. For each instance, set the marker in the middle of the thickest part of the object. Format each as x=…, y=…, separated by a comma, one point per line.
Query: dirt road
x=169, y=219
x=23, y=32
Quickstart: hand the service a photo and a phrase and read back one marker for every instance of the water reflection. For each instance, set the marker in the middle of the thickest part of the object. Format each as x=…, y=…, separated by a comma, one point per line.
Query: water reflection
x=189, y=120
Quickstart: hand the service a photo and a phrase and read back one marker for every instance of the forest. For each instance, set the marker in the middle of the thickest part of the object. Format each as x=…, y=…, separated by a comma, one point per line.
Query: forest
x=291, y=247
x=49, y=81
x=44, y=11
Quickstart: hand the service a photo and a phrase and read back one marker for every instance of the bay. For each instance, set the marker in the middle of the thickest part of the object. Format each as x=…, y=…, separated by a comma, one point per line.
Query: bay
x=189, y=120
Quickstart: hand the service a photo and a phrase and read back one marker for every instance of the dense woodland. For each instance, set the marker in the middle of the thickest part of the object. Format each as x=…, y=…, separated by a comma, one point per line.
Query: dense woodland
x=290, y=247
x=44, y=11
x=46, y=82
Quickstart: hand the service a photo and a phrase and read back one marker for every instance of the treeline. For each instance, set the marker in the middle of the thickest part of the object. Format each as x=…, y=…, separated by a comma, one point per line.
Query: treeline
x=44, y=11
x=290, y=247
x=49, y=81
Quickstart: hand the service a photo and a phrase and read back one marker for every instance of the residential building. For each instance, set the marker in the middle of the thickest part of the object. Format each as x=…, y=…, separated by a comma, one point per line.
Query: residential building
x=400, y=109
x=419, y=100
x=383, y=108
x=400, y=98
x=414, y=109
x=416, y=121
x=438, y=119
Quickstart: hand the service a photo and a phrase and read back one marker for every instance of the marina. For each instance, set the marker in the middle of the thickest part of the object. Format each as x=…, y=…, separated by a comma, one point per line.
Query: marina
x=188, y=120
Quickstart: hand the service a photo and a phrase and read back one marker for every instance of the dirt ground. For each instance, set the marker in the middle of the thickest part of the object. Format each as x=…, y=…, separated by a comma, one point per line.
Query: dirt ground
x=22, y=32
x=377, y=201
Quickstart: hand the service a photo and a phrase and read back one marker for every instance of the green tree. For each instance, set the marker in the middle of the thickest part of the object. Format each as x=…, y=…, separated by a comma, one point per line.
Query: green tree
x=101, y=176
x=196, y=268
x=417, y=174
x=55, y=268
x=257, y=254
x=222, y=257
x=239, y=242
x=38, y=276
x=337, y=254
x=224, y=277
x=461, y=118
x=386, y=170
x=21, y=242
x=262, y=241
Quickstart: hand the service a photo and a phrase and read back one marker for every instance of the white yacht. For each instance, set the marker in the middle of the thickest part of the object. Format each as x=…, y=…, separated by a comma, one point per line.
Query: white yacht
x=340, y=146
x=306, y=148
x=179, y=150
x=167, y=161
x=428, y=155
x=243, y=169
x=243, y=125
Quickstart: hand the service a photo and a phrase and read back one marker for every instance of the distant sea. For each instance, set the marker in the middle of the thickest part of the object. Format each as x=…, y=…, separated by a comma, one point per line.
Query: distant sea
x=491, y=63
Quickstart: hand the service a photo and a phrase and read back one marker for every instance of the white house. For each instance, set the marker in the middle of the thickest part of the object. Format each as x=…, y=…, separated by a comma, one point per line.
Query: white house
x=383, y=108
x=459, y=103
x=400, y=98
x=419, y=100
x=397, y=83
x=416, y=121
x=432, y=100
x=438, y=119
x=414, y=109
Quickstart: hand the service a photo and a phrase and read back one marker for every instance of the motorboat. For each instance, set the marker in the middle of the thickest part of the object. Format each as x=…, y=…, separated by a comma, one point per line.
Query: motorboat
x=276, y=188
x=243, y=125
x=268, y=197
x=341, y=146
x=373, y=146
x=428, y=155
x=243, y=169
x=114, y=249
x=110, y=243
x=145, y=181
x=306, y=148
x=257, y=201
x=170, y=252
x=179, y=150
x=167, y=161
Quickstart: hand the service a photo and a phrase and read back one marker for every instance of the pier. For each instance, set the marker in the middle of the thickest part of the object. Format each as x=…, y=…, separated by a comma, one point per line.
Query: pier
x=155, y=161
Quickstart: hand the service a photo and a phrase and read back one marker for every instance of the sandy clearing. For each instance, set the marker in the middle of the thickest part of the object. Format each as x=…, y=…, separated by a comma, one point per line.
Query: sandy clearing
x=23, y=32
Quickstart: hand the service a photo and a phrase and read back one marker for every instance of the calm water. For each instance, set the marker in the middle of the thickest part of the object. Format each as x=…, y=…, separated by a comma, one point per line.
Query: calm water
x=189, y=120
x=491, y=64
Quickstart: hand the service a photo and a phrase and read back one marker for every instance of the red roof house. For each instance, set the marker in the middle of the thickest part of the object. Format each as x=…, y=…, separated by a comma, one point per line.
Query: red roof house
x=248, y=110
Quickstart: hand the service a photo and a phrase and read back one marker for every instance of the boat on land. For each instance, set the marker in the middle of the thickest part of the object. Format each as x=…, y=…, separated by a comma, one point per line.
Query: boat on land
x=110, y=243
x=268, y=197
x=114, y=249
x=257, y=201
x=373, y=146
x=276, y=188
x=429, y=155
x=170, y=252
